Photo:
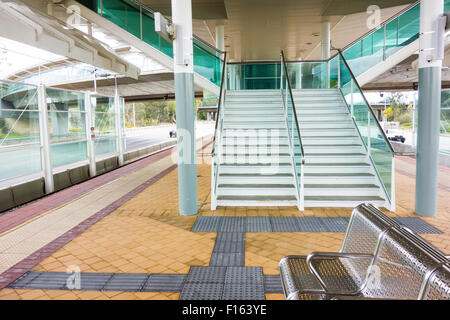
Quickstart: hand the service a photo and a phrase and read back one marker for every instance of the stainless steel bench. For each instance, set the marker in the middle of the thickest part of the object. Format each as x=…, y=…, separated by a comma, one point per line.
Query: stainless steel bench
x=379, y=259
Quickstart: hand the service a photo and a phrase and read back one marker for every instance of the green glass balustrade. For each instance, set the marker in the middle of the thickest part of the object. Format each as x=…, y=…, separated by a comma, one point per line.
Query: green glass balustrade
x=139, y=21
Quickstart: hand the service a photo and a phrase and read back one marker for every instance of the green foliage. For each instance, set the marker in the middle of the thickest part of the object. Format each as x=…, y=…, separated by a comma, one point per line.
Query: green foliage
x=154, y=113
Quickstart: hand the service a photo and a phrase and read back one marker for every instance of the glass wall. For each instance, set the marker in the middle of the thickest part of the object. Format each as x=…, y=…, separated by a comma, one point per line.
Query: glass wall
x=444, y=144
x=103, y=113
x=67, y=126
x=21, y=147
x=139, y=21
x=371, y=133
x=20, y=151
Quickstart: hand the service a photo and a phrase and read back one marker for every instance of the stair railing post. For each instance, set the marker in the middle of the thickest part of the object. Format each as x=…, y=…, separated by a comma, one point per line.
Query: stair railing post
x=213, y=186
x=302, y=187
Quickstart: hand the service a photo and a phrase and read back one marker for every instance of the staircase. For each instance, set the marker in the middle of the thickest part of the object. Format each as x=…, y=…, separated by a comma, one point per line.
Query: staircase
x=255, y=160
x=337, y=170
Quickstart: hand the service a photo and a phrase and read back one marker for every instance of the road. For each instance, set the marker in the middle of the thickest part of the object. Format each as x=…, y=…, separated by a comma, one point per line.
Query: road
x=138, y=138
x=444, y=142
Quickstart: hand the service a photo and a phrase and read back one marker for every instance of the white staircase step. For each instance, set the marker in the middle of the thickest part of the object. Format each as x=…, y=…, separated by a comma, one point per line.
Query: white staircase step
x=330, y=140
x=320, y=111
x=247, y=113
x=333, y=168
x=315, y=132
x=341, y=190
x=266, y=190
x=249, y=93
x=255, y=158
x=255, y=118
x=342, y=202
x=345, y=124
x=255, y=149
x=314, y=92
x=255, y=133
x=336, y=148
x=286, y=178
x=245, y=201
x=251, y=125
x=349, y=178
x=336, y=158
x=302, y=118
x=263, y=169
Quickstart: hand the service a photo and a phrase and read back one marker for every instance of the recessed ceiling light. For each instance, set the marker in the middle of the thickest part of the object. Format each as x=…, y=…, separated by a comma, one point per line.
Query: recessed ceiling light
x=309, y=43
x=315, y=34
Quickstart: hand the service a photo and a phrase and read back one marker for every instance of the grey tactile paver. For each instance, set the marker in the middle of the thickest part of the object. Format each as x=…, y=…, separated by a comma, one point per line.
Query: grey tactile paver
x=202, y=291
x=311, y=224
x=206, y=274
x=335, y=224
x=126, y=282
x=233, y=224
x=229, y=247
x=24, y=280
x=243, y=291
x=418, y=225
x=244, y=275
x=230, y=236
x=284, y=224
x=227, y=259
x=272, y=284
x=165, y=283
x=207, y=224
x=258, y=224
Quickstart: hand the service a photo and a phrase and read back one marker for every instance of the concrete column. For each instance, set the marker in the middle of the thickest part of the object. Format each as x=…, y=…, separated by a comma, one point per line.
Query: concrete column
x=208, y=116
x=326, y=40
x=46, y=158
x=134, y=115
x=429, y=110
x=118, y=122
x=185, y=106
x=220, y=36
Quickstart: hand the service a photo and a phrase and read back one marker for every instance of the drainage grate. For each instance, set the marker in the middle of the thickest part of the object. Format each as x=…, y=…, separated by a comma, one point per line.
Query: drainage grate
x=233, y=224
x=335, y=224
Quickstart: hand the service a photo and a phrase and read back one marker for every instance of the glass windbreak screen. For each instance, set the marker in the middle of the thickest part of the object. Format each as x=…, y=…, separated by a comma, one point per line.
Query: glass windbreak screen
x=20, y=152
x=105, y=124
x=308, y=75
x=67, y=126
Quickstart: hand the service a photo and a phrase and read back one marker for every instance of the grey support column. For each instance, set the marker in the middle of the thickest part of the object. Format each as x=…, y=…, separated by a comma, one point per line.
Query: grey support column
x=46, y=158
x=185, y=106
x=326, y=47
x=429, y=110
x=220, y=35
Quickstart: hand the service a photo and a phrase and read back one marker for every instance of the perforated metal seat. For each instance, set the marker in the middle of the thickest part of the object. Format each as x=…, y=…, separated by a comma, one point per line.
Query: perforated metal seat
x=379, y=259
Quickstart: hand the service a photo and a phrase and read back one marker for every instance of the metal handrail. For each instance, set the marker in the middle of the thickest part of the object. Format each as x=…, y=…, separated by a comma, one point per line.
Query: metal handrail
x=293, y=106
x=219, y=103
x=365, y=100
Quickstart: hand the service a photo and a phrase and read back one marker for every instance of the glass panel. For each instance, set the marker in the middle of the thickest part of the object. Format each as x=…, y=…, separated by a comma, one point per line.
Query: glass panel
x=66, y=126
x=19, y=162
x=369, y=130
x=105, y=145
x=66, y=153
x=19, y=126
x=308, y=75
x=392, y=37
x=408, y=26
x=127, y=15
x=64, y=100
x=444, y=145
x=333, y=66
x=293, y=130
x=261, y=76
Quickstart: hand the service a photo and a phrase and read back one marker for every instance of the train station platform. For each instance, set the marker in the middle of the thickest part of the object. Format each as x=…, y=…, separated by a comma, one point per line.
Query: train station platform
x=121, y=235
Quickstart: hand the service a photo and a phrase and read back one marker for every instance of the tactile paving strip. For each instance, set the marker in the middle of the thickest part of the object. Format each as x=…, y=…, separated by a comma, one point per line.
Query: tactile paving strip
x=418, y=225
x=227, y=259
x=207, y=274
x=244, y=275
x=138, y=282
x=293, y=224
x=243, y=291
x=202, y=291
x=272, y=284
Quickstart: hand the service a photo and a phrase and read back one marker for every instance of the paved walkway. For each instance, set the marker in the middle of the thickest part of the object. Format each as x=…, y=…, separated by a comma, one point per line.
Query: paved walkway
x=130, y=225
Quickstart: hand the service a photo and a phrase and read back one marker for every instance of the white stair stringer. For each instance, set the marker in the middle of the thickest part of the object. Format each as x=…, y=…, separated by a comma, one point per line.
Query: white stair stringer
x=254, y=156
x=337, y=170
